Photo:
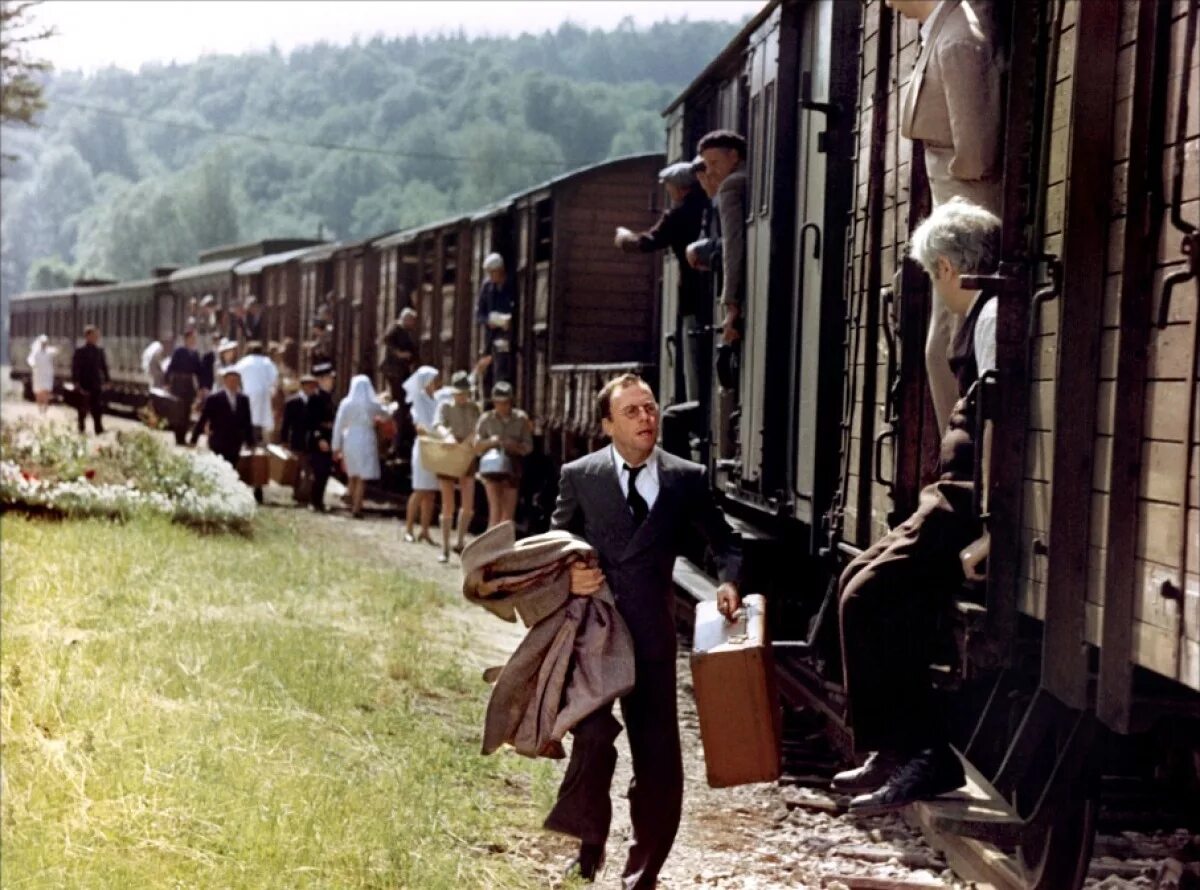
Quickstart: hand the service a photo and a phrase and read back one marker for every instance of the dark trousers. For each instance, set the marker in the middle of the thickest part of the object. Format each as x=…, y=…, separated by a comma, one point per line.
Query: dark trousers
x=584, y=808
x=231, y=457
x=320, y=463
x=90, y=403
x=892, y=599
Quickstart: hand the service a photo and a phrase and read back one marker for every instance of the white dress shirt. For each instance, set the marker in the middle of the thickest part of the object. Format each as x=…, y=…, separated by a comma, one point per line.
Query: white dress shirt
x=647, y=480
x=927, y=25
x=259, y=376
x=985, y=335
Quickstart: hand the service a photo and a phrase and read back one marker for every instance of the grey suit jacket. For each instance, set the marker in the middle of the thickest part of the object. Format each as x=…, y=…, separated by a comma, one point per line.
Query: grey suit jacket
x=952, y=105
x=637, y=562
x=731, y=205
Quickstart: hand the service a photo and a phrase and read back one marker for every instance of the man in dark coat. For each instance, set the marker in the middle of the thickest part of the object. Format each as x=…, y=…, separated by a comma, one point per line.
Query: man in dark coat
x=252, y=321
x=319, y=417
x=183, y=377
x=495, y=310
x=892, y=594
x=294, y=430
x=226, y=416
x=401, y=353
x=637, y=506
x=89, y=371
x=678, y=227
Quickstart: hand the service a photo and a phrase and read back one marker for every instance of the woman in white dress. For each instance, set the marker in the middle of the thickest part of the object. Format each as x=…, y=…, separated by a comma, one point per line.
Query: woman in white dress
x=419, y=392
x=41, y=362
x=354, y=441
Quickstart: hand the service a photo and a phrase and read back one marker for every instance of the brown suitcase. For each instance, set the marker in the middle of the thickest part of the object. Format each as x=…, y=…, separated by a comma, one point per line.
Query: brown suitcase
x=254, y=467
x=285, y=466
x=733, y=677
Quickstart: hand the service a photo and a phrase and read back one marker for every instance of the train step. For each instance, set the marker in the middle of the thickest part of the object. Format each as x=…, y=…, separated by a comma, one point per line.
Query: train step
x=976, y=811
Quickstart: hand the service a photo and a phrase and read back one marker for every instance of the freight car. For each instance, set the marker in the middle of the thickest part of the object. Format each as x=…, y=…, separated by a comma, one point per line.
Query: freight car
x=1078, y=667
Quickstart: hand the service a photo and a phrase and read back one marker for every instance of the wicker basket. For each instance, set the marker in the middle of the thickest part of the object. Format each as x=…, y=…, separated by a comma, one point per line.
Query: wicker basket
x=446, y=458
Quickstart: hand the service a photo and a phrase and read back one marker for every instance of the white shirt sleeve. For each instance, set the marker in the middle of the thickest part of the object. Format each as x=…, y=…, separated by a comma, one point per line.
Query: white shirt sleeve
x=985, y=338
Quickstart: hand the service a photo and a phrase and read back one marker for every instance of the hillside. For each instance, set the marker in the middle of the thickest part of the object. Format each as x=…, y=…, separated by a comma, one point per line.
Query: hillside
x=132, y=170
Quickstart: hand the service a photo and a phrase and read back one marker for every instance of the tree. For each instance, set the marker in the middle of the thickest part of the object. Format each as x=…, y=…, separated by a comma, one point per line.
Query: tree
x=20, y=90
x=49, y=273
x=210, y=208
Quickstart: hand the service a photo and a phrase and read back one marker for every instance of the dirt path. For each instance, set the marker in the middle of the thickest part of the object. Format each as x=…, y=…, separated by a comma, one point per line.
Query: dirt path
x=753, y=837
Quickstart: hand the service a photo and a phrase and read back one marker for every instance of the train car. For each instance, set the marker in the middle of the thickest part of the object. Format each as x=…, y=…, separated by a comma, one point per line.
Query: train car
x=316, y=291
x=42, y=312
x=1079, y=659
x=276, y=282
x=399, y=262
x=492, y=231
x=580, y=302
x=126, y=314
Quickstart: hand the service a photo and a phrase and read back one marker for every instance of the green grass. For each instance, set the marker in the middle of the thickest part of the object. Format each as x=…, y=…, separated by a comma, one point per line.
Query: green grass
x=186, y=710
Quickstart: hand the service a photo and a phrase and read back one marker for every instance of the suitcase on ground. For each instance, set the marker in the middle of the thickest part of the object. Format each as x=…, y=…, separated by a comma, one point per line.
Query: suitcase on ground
x=254, y=467
x=285, y=466
x=737, y=701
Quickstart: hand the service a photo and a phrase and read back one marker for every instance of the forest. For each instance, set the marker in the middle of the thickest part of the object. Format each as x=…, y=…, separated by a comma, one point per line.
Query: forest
x=127, y=171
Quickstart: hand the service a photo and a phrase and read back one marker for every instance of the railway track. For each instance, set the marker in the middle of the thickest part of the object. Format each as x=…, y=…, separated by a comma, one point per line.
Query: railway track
x=1142, y=839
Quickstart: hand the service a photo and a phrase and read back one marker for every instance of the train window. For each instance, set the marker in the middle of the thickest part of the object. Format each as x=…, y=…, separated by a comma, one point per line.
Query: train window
x=544, y=213
x=768, y=150
x=756, y=148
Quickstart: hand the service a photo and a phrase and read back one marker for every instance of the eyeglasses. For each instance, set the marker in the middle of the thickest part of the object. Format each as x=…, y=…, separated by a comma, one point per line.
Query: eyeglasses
x=650, y=410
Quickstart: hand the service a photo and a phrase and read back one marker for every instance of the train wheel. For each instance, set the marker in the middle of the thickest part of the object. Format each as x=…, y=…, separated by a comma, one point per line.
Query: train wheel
x=1058, y=859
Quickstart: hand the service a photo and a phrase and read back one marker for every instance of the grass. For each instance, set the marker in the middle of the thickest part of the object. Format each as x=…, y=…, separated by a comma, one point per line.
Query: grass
x=182, y=710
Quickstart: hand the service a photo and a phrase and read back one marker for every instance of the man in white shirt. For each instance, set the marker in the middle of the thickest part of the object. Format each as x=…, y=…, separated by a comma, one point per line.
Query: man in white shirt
x=259, y=378
x=637, y=505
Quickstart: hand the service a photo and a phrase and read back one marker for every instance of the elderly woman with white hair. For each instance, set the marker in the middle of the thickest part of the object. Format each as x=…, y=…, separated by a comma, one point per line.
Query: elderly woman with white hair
x=354, y=441
x=494, y=311
x=41, y=364
x=419, y=390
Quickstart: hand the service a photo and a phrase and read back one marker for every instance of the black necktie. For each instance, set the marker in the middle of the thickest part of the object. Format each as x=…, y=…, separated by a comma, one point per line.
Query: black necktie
x=634, y=498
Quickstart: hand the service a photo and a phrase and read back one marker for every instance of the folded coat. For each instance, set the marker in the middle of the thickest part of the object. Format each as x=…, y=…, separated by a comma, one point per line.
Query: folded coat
x=577, y=655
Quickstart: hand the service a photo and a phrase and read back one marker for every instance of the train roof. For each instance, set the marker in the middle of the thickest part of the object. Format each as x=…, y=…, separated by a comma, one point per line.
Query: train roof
x=212, y=267
x=256, y=265
x=252, y=249
x=57, y=293
x=118, y=287
x=321, y=252
x=404, y=236
x=733, y=50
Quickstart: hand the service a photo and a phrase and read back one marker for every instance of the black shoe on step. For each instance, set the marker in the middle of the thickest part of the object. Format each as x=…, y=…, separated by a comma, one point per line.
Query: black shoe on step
x=929, y=773
x=587, y=864
x=877, y=769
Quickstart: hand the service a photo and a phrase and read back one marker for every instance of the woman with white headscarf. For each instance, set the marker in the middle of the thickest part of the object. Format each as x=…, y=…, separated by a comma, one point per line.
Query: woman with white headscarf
x=420, y=392
x=354, y=441
x=41, y=363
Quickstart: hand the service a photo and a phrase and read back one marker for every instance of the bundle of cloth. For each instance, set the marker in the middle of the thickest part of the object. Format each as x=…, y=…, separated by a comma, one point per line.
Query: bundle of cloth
x=577, y=655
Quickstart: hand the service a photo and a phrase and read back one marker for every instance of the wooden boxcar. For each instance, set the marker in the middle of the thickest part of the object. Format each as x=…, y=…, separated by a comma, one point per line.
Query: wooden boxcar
x=278, y=287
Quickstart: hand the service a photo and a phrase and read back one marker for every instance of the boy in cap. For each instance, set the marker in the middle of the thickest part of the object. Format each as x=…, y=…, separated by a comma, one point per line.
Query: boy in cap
x=457, y=419
x=319, y=417
x=507, y=428
x=294, y=430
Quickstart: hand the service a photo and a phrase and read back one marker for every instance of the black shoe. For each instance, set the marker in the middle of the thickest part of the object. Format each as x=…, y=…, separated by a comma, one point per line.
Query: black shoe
x=932, y=772
x=877, y=769
x=587, y=864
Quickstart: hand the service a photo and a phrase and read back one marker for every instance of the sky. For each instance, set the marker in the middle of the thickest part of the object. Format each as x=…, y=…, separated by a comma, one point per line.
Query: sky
x=93, y=34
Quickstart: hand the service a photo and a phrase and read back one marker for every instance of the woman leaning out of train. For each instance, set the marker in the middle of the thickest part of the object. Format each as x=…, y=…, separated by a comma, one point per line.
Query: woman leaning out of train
x=354, y=441
x=456, y=419
x=41, y=364
x=504, y=437
x=419, y=391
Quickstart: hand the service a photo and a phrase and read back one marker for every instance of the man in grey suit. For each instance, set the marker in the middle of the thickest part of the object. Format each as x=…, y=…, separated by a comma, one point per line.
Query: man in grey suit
x=637, y=505
x=952, y=107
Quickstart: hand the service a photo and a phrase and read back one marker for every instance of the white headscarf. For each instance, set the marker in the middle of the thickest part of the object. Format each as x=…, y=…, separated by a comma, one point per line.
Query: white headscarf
x=414, y=386
x=37, y=346
x=153, y=352
x=362, y=391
